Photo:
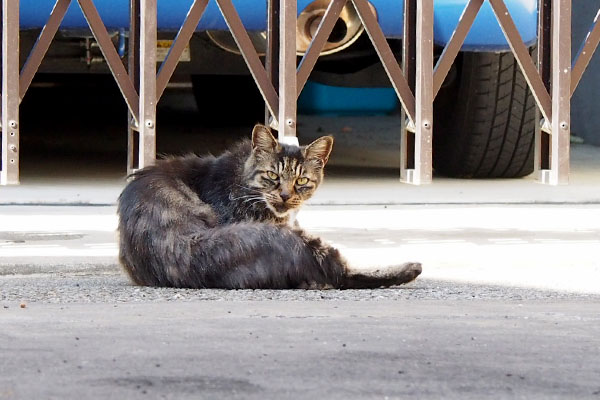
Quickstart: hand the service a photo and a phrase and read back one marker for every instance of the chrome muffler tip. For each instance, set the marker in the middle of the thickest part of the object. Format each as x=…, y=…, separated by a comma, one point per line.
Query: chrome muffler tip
x=346, y=30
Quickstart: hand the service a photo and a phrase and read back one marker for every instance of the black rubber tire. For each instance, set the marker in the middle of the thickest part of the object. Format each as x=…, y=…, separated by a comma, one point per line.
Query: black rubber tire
x=485, y=120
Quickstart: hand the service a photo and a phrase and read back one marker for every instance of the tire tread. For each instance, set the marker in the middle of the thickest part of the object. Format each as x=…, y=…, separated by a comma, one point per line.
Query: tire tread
x=492, y=130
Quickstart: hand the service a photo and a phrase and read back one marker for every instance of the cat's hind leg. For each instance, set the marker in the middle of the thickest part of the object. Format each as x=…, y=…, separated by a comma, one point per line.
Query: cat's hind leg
x=261, y=256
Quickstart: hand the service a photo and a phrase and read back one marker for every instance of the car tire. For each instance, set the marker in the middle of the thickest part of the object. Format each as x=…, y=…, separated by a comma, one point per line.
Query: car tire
x=485, y=119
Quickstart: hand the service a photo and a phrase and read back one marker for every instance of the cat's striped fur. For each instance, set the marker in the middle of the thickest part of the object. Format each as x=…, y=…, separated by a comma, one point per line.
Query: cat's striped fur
x=227, y=222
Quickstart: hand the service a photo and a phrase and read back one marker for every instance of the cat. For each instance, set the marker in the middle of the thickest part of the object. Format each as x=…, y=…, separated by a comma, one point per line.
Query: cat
x=229, y=222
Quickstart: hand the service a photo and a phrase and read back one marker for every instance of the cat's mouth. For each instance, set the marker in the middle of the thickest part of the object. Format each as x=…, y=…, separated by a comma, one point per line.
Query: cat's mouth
x=279, y=209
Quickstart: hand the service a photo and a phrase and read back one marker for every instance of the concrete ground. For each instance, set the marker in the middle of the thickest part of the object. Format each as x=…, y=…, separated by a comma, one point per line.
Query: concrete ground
x=508, y=305
x=330, y=349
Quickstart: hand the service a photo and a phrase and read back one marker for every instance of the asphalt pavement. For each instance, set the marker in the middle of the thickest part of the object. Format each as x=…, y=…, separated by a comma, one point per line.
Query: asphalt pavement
x=508, y=306
x=319, y=348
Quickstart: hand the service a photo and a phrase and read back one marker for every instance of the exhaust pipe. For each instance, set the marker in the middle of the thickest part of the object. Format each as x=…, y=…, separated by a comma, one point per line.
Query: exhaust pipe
x=346, y=31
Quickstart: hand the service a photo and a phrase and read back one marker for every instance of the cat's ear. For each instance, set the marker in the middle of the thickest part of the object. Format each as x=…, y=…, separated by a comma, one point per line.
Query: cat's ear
x=262, y=139
x=320, y=149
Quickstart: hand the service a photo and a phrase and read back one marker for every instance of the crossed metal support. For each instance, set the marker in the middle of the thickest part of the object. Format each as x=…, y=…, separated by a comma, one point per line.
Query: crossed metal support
x=552, y=82
x=280, y=80
x=15, y=83
x=141, y=132
x=416, y=164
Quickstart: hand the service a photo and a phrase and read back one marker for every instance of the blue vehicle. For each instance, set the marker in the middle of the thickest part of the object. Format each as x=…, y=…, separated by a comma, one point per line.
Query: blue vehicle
x=485, y=114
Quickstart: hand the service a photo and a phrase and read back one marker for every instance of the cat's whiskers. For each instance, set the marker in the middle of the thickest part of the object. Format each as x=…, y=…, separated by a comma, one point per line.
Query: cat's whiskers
x=244, y=197
x=254, y=199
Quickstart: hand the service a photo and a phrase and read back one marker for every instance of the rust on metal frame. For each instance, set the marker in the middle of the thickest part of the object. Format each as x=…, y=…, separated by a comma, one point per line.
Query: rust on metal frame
x=588, y=47
x=318, y=42
x=9, y=174
x=181, y=40
x=250, y=55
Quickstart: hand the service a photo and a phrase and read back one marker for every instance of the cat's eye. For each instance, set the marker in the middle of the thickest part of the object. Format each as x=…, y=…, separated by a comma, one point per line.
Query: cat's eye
x=302, y=181
x=272, y=175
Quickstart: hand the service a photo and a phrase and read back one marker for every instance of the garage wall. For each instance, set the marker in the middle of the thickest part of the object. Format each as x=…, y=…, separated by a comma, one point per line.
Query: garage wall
x=586, y=100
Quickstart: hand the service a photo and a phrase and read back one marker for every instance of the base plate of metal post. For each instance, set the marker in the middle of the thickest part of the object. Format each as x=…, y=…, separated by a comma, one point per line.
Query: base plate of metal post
x=544, y=176
x=409, y=176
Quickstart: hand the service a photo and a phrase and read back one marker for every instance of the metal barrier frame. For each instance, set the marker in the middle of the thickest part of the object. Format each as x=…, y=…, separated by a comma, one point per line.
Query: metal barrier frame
x=15, y=83
x=280, y=80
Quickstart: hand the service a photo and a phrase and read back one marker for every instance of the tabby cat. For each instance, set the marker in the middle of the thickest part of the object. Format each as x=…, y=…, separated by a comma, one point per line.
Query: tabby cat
x=228, y=222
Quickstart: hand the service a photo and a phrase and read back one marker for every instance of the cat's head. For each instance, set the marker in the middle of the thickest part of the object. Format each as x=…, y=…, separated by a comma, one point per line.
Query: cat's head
x=285, y=176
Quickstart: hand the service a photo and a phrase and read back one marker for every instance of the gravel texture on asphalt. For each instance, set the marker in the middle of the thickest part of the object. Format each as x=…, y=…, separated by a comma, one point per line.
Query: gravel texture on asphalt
x=114, y=287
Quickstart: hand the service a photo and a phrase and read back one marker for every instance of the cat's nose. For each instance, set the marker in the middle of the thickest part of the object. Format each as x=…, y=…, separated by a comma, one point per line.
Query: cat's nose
x=284, y=196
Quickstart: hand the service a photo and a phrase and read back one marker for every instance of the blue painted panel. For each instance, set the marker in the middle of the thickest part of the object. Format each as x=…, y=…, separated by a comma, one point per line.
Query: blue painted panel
x=485, y=34
x=171, y=14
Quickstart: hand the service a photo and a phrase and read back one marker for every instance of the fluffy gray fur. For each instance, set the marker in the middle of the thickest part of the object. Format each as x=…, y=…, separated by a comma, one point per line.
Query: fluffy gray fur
x=227, y=222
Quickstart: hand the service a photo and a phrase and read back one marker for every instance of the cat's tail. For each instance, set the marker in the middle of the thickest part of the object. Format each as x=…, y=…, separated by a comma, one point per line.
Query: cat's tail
x=383, y=277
